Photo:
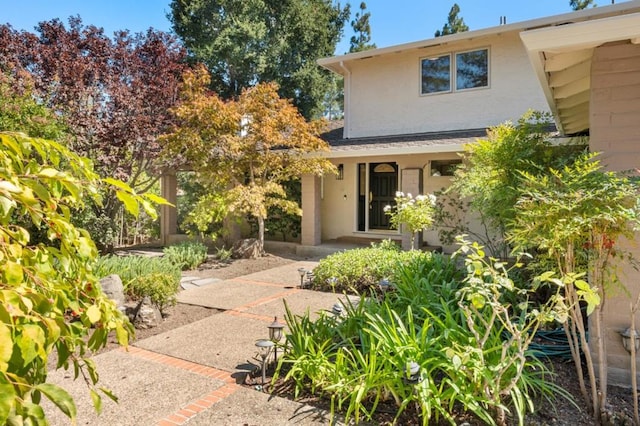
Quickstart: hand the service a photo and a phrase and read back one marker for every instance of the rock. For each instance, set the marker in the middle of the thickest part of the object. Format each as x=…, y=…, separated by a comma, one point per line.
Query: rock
x=147, y=315
x=246, y=249
x=112, y=287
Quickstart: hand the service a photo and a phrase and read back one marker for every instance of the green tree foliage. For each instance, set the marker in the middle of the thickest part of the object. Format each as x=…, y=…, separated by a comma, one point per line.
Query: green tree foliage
x=454, y=24
x=361, y=40
x=581, y=4
x=250, y=146
x=573, y=212
x=49, y=299
x=247, y=42
x=491, y=170
x=20, y=112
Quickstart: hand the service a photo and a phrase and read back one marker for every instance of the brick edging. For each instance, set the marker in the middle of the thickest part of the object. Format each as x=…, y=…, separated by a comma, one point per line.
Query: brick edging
x=194, y=407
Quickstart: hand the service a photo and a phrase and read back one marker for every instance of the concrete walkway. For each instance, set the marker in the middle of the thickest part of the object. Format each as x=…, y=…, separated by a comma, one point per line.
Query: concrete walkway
x=190, y=375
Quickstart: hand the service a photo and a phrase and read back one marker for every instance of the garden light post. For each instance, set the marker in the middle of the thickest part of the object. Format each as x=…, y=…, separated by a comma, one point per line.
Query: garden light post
x=411, y=373
x=302, y=272
x=336, y=310
x=411, y=376
x=384, y=285
x=265, y=346
x=275, y=335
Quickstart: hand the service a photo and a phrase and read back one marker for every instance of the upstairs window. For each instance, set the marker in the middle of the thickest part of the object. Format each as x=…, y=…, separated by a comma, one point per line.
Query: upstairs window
x=471, y=71
x=436, y=74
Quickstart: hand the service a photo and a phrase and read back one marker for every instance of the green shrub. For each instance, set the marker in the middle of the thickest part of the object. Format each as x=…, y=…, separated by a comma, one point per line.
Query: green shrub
x=143, y=276
x=360, y=270
x=187, y=254
x=223, y=254
x=455, y=325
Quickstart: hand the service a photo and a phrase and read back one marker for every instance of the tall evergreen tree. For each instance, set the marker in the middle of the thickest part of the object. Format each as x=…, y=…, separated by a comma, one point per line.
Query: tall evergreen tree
x=454, y=24
x=581, y=4
x=361, y=40
x=245, y=42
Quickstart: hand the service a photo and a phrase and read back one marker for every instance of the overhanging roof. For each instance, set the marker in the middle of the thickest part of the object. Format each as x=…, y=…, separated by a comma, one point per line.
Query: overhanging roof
x=410, y=144
x=562, y=56
x=335, y=63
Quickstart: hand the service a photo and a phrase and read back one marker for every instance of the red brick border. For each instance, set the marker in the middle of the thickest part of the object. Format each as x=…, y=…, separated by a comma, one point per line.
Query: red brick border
x=183, y=415
x=193, y=408
x=264, y=300
x=260, y=283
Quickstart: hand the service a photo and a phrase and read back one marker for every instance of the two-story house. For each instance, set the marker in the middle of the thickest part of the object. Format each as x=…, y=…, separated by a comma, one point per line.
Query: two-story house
x=409, y=109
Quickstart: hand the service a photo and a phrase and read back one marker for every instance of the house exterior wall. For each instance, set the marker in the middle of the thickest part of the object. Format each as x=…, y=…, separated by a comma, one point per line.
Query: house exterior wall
x=615, y=131
x=384, y=91
x=339, y=197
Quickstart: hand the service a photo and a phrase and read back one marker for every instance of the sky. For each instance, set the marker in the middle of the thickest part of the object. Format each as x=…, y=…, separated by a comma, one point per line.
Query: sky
x=392, y=21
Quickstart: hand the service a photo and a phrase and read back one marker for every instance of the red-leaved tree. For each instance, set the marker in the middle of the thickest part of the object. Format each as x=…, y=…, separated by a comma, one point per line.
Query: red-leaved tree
x=113, y=94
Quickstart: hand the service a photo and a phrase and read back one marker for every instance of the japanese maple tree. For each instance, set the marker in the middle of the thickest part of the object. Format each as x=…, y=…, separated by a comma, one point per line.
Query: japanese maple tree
x=250, y=146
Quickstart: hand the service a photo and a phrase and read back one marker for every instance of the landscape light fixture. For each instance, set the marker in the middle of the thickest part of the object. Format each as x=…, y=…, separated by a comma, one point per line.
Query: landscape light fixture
x=275, y=335
x=340, y=175
x=265, y=346
x=411, y=373
x=302, y=272
x=626, y=339
x=384, y=285
x=337, y=309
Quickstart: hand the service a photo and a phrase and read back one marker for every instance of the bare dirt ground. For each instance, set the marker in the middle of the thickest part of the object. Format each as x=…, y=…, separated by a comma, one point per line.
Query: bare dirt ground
x=557, y=412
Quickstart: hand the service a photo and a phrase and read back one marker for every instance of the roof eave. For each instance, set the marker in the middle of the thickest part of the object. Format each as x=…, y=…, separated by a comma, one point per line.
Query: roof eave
x=578, y=38
x=334, y=63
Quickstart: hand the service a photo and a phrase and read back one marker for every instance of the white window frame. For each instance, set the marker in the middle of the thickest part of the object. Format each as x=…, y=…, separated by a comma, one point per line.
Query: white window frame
x=453, y=71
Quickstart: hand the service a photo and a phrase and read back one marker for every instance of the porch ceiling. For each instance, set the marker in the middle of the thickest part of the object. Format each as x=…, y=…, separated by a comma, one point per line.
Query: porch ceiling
x=562, y=58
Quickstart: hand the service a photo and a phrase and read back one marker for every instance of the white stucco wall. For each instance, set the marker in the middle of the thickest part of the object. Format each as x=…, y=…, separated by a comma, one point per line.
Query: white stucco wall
x=384, y=91
x=339, y=197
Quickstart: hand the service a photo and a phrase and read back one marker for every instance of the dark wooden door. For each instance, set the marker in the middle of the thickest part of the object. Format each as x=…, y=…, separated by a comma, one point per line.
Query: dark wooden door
x=382, y=190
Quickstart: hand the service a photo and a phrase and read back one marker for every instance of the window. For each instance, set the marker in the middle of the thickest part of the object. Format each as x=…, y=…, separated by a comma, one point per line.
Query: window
x=444, y=167
x=436, y=74
x=471, y=70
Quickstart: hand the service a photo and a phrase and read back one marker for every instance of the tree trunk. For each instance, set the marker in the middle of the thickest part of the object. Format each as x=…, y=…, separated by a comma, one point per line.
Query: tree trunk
x=261, y=234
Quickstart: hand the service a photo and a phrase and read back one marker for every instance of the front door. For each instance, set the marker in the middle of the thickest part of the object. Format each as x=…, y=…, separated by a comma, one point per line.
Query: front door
x=383, y=184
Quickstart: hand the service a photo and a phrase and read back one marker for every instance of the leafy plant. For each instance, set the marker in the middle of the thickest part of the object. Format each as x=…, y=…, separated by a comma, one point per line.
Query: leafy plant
x=201, y=212
x=49, y=299
x=223, y=254
x=490, y=173
x=579, y=211
x=142, y=276
x=113, y=98
x=460, y=333
x=250, y=146
x=186, y=255
x=360, y=270
x=416, y=214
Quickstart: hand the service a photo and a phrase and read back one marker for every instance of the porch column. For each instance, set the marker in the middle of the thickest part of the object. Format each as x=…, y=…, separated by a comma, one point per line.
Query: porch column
x=411, y=183
x=311, y=213
x=168, y=214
